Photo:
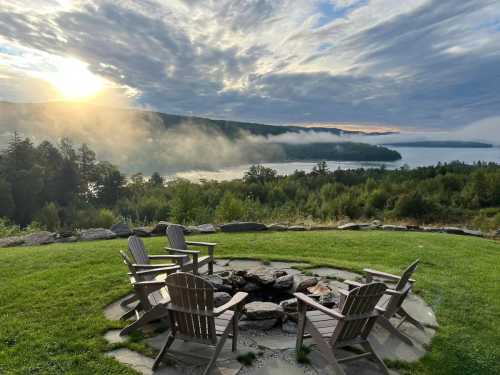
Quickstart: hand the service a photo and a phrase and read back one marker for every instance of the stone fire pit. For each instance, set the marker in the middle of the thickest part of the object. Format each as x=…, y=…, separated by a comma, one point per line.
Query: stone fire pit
x=268, y=327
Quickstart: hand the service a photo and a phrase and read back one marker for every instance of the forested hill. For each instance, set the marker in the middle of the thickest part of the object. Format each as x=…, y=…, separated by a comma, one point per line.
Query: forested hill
x=442, y=144
x=64, y=110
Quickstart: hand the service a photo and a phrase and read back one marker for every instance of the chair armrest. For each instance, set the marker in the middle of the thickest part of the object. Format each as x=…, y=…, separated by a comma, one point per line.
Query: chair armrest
x=154, y=271
x=195, y=243
x=301, y=297
x=353, y=284
x=236, y=300
x=393, y=292
x=191, y=252
x=171, y=256
x=383, y=275
x=152, y=266
x=148, y=287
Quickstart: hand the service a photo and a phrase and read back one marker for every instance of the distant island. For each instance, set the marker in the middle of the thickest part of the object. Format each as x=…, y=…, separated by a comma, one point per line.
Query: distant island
x=340, y=151
x=441, y=144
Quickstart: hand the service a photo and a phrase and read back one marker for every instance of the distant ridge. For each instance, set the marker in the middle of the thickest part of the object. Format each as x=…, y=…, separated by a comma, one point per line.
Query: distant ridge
x=227, y=127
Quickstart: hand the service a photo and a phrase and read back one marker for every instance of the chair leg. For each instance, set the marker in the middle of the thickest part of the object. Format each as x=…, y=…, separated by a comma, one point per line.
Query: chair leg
x=166, y=346
x=369, y=348
x=147, y=317
x=385, y=323
x=408, y=318
x=236, y=330
x=129, y=314
x=127, y=301
x=218, y=349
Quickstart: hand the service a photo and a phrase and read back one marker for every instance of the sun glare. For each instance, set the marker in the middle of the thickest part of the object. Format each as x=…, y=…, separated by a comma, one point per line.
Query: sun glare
x=74, y=81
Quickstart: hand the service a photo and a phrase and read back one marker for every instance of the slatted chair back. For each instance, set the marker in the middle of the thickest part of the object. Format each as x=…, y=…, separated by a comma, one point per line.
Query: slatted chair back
x=138, y=251
x=191, y=308
x=405, y=278
x=175, y=234
x=360, y=313
x=143, y=298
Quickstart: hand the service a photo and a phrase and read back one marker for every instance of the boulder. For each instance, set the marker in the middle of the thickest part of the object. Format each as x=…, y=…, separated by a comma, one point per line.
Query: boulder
x=191, y=229
x=260, y=276
x=297, y=228
x=121, y=230
x=206, y=228
x=474, y=233
x=97, y=234
x=250, y=287
x=260, y=325
x=263, y=310
x=67, y=239
x=11, y=241
x=289, y=305
x=394, y=227
x=142, y=232
x=277, y=227
x=66, y=234
x=453, y=230
x=497, y=233
x=39, y=238
x=413, y=227
x=283, y=282
x=305, y=283
x=221, y=298
x=160, y=228
x=349, y=226
x=289, y=327
x=376, y=223
x=243, y=227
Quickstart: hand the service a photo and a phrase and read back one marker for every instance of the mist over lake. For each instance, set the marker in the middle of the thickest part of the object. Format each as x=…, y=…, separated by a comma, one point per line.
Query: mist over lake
x=413, y=157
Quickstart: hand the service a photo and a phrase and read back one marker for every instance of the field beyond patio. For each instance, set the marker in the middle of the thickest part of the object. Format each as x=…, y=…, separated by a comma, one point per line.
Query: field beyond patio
x=52, y=297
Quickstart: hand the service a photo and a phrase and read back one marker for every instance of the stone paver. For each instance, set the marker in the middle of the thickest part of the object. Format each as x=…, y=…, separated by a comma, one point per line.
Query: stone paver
x=335, y=273
x=244, y=264
x=114, y=311
x=113, y=337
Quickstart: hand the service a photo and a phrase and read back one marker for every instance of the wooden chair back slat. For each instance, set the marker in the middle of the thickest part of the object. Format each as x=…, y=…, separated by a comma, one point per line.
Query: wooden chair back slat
x=192, y=304
x=359, y=311
x=405, y=278
x=175, y=234
x=137, y=249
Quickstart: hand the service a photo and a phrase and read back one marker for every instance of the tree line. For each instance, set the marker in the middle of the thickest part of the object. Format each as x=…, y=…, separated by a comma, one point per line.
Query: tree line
x=63, y=186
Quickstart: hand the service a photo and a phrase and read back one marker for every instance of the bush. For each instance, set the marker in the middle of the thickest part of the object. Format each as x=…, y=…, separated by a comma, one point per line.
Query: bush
x=105, y=218
x=49, y=217
x=413, y=205
x=7, y=229
x=230, y=208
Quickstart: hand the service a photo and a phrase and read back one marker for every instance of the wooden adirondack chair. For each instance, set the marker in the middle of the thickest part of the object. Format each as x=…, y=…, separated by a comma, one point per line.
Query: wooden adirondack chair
x=393, y=302
x=143, y=259
x=193, y=317
x=179, y=245
x=346, y=326
x=137, y=274
x=147, y=292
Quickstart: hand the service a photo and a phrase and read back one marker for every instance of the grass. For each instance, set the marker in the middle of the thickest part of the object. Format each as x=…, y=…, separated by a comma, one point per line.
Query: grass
x=52, y=297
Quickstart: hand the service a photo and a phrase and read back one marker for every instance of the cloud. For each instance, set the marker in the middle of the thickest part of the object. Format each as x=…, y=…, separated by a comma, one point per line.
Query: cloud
x=427, y=64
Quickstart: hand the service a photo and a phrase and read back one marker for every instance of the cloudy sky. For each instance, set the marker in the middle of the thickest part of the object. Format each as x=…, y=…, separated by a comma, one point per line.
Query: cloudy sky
x=412, y=64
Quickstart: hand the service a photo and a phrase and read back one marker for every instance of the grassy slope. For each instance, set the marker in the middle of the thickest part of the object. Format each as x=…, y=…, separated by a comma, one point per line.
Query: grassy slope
x=52, y=297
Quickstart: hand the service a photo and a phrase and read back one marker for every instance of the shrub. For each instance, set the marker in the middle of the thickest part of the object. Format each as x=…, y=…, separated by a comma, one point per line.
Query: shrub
x=105, y=218
x=230, y=208
x=48, y=216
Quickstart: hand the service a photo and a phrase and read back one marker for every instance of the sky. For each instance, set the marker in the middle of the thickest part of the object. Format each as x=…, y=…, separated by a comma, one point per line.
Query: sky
x=409, y=65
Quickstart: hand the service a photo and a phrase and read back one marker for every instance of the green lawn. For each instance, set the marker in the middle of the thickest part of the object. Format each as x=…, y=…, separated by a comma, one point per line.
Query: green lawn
x=52, y=297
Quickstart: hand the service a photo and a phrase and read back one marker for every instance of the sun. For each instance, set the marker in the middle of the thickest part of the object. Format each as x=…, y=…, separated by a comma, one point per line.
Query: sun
x=74, y=80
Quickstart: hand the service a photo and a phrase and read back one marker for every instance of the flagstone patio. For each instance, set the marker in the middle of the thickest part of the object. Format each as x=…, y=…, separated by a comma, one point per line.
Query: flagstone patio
x=275, y=348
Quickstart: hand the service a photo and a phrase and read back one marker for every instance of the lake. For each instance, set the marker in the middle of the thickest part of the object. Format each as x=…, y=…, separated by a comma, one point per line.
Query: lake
x=411, y=156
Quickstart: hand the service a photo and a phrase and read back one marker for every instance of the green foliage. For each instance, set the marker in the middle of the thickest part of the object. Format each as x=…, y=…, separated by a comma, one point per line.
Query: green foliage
x=303, y=354
x=105, y=218
x=48, y=216
x=230, y=208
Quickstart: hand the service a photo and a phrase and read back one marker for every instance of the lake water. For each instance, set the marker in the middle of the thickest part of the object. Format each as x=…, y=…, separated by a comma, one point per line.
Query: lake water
x=411, y=156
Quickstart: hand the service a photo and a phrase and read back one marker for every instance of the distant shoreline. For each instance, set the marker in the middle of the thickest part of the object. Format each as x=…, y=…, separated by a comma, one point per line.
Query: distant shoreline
x=441, y=144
